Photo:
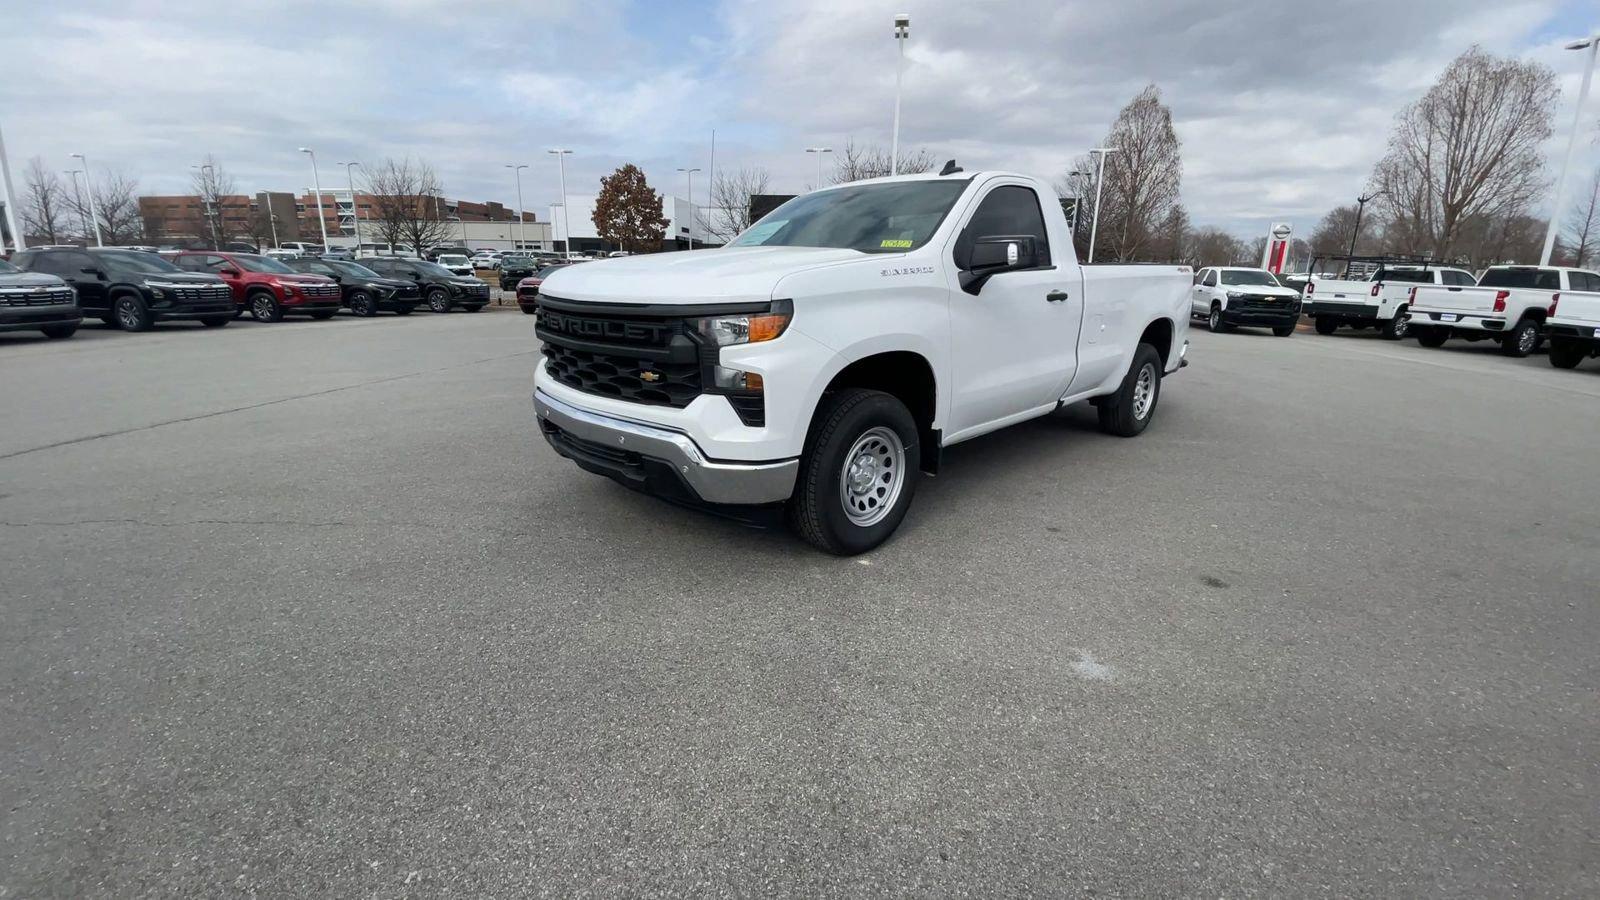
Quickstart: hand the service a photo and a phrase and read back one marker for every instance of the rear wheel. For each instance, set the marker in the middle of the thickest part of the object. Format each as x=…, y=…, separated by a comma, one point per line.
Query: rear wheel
x=1283, y=330
x=858, y=473
x=1397, y=327
x=1127, y=412
x=1326, y=325
x=131, y=313
x=1565, y=354
x=1522, y=339
x=322, y=314
x=1432, y=337
x=58, y=332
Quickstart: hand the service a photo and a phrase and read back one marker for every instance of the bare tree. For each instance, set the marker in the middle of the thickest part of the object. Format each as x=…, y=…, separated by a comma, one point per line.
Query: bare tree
x=44, y=203
x=212, y=186
x=407, y=204
x=730, y=201
x=1583, y=227
x=1333, y=232
x=858, y=161
x=1214, y=247
x=1472, y=146
x=1142, y=178
x=116, y=207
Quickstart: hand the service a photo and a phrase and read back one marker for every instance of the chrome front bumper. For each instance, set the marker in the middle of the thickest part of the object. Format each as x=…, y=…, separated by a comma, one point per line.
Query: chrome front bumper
x=711, y=481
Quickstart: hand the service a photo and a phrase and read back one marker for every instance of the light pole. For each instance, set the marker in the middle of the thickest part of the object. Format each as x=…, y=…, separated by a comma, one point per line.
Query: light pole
x=273, y=218
x=819, y=151
x=1361, y=204
x=17, y=240
x=355, y=211
x=94, y=215
x=690, y=173
x=566, y=218
x=1592, y=44
x=77, y=194
x=210, y=203
x=902, y=33
x=1099, y=180
x=522, y=234
x=316, y=185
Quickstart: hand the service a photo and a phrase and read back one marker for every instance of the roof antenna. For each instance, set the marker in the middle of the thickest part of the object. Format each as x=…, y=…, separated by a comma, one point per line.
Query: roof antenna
x=950, y=168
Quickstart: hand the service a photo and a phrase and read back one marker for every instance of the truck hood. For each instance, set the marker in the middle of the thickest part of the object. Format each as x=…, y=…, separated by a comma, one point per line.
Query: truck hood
x=29, y=280
x=1262, y=290
x=728, y=275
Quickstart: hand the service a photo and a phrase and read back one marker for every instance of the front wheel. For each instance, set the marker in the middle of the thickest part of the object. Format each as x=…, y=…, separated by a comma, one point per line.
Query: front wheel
x=264, y=307
x=1214, y=321
x=1565, y=354
x=1522, y=339
x=60, y=332
x=1432, y=337
x=1283, y=330
x=1127, y=412
x=1396, y=328
x=439, y=300
x=131, y=313
x=858, y=473
x=362, y=304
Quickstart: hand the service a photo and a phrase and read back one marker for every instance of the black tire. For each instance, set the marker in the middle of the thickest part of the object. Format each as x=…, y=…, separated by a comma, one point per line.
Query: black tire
x=439, y=300
x=1124, y=414
x=1565, y=354
x=322, y=315
x=1214, y=322
x=1325, y=325
x=473, y=308
x=362, y=304
x=131, y=314
x=1283, y=330
x=62, y=332
x=216, y=321
x=265, y=308
x=1396, y=328
x=109, y=319
x=1522, y=339
x=1432, y=337
x=859, y=422
x=530, y=310
x=403, y=309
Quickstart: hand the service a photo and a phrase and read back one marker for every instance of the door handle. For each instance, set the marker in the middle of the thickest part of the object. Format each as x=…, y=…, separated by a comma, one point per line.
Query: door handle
x=1055, y=296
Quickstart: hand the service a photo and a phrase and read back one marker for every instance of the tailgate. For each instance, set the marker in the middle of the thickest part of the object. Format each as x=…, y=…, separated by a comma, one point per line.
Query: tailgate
x=1578, y=309
x=1455, y=299
x=1342, y=291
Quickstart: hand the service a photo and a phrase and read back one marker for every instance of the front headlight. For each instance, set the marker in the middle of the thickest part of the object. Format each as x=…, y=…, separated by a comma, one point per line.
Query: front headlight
x=752, y=328
x=1235, y=295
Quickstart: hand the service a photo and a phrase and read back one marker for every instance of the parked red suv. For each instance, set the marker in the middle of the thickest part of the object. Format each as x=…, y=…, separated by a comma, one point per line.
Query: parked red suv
x=266, y=287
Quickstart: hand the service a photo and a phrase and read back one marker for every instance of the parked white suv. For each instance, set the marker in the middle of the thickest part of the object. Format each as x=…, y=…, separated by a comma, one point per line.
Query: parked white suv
x=457, y=263
x=824, y=358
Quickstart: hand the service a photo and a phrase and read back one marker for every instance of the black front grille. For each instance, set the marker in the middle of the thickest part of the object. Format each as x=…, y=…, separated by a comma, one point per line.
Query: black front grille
x=476, y=290
x=1264, y=302
x=209, y=293
x=30, y=297
x=641, y=359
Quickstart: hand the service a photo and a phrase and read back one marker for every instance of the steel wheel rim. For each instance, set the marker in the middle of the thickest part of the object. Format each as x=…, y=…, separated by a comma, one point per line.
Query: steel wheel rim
x=128, y=313
x=261, y=308
x=1527, y=339
x=1144, y=391
x=1401, y=326
x=873, y=473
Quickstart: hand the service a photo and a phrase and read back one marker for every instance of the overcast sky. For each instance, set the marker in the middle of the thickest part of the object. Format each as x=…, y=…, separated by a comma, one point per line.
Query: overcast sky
x=1282, y=106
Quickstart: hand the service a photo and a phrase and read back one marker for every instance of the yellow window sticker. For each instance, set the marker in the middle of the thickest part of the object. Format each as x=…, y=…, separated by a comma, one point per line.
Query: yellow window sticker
x=898, y=243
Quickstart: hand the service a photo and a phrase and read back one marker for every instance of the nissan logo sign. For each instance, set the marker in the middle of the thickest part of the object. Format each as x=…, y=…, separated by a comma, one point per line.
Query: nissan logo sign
x=1281, y=232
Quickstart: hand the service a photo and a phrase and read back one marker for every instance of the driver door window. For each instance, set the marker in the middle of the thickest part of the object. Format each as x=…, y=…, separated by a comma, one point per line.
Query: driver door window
x=1012, y=210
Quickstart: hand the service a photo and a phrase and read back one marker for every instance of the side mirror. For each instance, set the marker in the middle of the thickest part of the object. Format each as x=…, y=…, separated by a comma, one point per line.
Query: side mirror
x=228, y=272
x=993, y=254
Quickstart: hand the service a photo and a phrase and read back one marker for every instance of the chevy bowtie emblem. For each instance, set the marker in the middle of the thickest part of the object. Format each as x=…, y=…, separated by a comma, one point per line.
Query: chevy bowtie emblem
x=650, y=376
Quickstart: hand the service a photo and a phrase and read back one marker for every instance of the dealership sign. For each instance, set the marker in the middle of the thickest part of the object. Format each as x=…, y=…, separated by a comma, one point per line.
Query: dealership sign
x=1276, y=253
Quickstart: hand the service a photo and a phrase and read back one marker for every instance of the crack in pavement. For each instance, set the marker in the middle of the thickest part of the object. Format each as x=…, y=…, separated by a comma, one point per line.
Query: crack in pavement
x=223, y=412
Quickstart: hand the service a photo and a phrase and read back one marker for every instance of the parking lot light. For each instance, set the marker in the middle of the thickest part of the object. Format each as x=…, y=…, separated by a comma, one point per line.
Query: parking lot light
x=819, y=151
x=1592, y=44
x=1094, y=219
x=902, y=33
x=316, y=186
x=690, y=173
x=95, y=215
x=560, y=154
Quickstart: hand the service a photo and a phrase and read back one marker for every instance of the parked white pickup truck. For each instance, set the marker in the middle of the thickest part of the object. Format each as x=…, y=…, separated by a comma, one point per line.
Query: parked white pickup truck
x=1509, y=305
x=825, y=357
x=1572, y=323
x=1380, y=302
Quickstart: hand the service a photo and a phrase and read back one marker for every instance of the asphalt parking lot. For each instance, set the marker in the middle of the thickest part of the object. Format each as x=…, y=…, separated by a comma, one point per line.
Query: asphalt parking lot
x=309, y=610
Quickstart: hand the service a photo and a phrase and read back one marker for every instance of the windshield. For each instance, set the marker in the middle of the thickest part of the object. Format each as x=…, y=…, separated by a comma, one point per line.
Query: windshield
x=516, y=261
x=137, y=260
x=350, y=268
x=1248, y=276
x=8, y=268
x=452, y=260
x=1540, y=279
x=1408, y=276
x=871, y=218
x=252, y=263
x=429, y=268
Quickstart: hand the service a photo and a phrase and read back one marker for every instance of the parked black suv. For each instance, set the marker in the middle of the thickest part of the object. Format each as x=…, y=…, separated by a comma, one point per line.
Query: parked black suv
x=515, y=268
x=441, y=289
x=34, y=301
x=365, y=292
x=133, y=289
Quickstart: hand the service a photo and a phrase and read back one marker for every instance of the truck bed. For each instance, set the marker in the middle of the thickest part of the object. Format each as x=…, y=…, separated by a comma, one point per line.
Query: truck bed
x=1473, y=300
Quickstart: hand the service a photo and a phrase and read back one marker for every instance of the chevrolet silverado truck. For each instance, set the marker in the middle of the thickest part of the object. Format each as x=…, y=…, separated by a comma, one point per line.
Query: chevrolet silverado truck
x=1509, y=305
x=33, y=301
x=821, y=361
x=1380, y=302
x=1230, y=296
x=1572, y=322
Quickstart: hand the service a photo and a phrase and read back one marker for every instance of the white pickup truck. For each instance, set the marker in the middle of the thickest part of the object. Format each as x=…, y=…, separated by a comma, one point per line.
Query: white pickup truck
x=823, y=359
x=1380, y=302
x=1572, y=323
x=1509, y=305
